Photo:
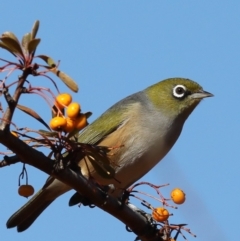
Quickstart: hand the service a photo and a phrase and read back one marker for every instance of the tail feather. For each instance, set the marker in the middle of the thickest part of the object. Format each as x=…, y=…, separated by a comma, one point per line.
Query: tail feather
x=26, y=223
x=27, y=214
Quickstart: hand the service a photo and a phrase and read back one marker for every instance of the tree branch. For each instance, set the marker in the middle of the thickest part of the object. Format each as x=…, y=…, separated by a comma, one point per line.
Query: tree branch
x=125, y=213
x=7, y=161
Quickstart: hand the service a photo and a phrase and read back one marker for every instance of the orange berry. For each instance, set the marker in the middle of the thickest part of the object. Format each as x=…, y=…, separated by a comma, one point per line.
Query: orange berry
x=25, y=190
x=178, y=196
x=70, y=126
x=58, y=123
x=80, y=122
x=63, y=100
x=73, y=110
x=160, y=214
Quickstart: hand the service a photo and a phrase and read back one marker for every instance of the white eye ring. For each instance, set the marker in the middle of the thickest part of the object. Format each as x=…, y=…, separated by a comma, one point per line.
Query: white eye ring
x=179, y=91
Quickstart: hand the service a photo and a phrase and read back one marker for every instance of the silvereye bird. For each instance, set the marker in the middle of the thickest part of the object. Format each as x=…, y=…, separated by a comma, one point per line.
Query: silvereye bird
x=146, y=125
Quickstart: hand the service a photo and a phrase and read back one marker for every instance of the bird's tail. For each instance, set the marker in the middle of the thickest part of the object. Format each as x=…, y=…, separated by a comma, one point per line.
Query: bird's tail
x=27, y=214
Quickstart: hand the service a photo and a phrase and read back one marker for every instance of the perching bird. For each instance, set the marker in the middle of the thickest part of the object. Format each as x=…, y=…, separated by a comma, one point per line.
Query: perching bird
x=146, y=125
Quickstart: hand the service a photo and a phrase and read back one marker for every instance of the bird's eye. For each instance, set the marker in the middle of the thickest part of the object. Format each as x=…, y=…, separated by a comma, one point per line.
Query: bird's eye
x=179, y=91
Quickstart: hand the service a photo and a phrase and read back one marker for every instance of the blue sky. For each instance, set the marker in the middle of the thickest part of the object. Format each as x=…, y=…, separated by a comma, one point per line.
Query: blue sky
x=115, y=48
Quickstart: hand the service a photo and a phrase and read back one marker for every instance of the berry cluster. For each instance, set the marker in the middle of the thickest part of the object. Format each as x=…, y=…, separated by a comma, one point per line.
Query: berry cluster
x=161, y=214
x=74, y=121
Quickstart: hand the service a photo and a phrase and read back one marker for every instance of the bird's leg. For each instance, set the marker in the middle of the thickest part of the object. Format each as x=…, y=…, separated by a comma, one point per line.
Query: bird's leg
x=62, y=161
x=58, y=162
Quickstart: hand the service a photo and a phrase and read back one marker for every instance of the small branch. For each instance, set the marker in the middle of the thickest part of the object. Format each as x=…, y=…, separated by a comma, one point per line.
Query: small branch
x=8, y=97
x=10, y=110
x=7, y=161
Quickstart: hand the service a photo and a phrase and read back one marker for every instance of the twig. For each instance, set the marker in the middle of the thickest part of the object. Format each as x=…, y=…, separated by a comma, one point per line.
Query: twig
x=7, y=161
x=10, y=110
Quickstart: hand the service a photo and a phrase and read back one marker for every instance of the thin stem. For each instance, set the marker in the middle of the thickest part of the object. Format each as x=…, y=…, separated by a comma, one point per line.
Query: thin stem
x=4, y=125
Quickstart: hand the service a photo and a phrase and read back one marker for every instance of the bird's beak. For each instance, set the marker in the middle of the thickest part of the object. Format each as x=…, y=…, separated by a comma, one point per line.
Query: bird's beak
x=201, y=94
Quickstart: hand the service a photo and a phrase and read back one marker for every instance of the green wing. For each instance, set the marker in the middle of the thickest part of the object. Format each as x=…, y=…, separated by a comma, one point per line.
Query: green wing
x=102, y=127
x=111, y=119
